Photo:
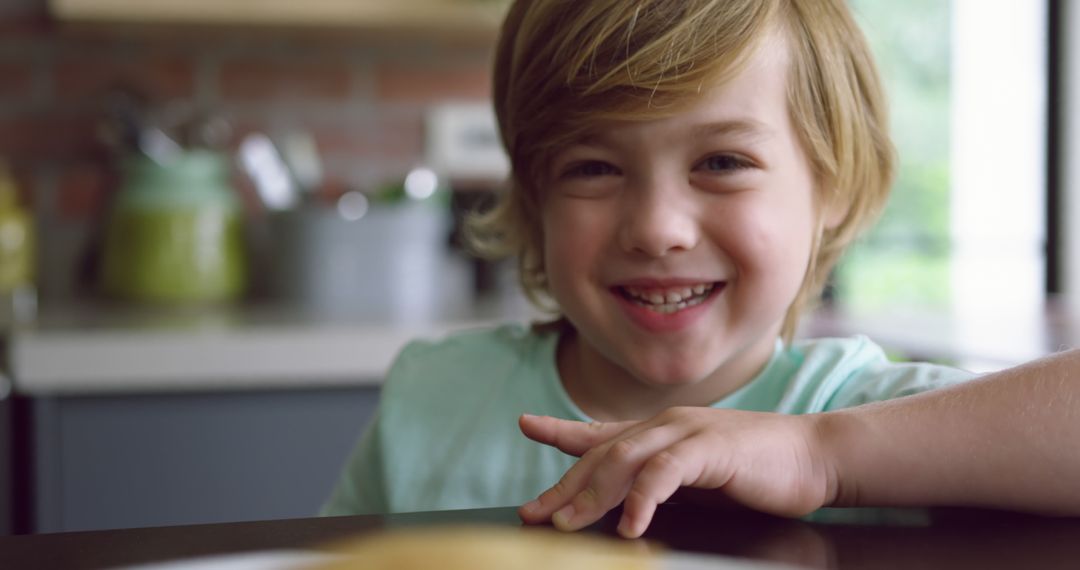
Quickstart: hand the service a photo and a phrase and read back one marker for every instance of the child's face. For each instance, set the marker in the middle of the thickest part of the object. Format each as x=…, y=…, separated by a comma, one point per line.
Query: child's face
x=714, y=205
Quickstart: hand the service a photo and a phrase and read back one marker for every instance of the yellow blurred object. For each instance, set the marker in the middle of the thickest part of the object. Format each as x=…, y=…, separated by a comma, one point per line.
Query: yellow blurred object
x=475, y=547
x=16, y=237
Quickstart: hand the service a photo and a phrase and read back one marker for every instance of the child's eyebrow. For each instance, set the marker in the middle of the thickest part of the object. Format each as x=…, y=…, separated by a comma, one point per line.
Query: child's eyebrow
x=749, y=128
x=744, y=127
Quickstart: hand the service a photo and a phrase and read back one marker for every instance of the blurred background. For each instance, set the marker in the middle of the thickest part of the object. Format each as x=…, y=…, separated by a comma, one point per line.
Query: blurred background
x=219, y=221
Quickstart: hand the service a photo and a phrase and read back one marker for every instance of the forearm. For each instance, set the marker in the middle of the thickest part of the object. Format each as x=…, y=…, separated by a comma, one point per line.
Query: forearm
x=1010, y=440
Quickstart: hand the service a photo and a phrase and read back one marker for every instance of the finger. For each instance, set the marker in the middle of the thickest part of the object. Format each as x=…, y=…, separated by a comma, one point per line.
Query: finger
x=572, y=483
x=616, y=466
x=662, y=475
x=574, y=480
x=570, y=437
x=540, y=509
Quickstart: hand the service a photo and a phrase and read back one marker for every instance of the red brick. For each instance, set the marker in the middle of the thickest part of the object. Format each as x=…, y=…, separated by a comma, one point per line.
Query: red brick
x=18, y=79
x=477, y=50
x=25, y=185
x=24, y=19
x=48, y=136
x=146, y=35
x=271, y=80
x=159, y=76
x=82, y=189
x=427, y=84
x=11, y=8
x=382, y=136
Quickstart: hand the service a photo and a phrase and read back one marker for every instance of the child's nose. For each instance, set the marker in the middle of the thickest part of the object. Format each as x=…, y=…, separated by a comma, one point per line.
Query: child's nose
x=658, y=224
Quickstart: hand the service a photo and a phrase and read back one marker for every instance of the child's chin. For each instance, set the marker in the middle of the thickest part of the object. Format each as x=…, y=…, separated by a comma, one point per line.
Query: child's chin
x=674, y=376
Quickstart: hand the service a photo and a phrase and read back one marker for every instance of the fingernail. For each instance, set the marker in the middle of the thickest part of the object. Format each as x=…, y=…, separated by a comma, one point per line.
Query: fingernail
x=528, y=416
x=531, y=506
x=561, y=519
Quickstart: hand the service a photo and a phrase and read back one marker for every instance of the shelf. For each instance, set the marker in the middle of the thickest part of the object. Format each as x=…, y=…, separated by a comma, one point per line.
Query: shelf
x=464, y=16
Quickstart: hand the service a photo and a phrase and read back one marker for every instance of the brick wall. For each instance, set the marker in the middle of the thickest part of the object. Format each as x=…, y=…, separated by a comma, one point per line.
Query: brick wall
x=362, y=94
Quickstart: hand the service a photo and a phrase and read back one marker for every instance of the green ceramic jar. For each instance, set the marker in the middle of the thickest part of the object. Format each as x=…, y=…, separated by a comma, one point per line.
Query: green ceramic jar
x=174, y=234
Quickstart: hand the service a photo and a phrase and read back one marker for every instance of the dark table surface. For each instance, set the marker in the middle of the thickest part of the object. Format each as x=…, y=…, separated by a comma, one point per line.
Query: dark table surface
x=831, y=538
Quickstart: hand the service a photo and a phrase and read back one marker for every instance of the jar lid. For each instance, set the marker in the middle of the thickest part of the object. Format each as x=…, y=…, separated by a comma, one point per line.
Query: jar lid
x=197, y=177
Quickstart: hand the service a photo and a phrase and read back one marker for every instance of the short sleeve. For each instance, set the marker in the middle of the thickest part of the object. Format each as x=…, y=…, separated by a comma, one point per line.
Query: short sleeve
x=880, y=379
x=361, y=489
x=825, y=374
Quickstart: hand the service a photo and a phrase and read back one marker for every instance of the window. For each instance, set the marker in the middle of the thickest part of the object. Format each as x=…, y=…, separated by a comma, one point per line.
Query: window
x=964, y=230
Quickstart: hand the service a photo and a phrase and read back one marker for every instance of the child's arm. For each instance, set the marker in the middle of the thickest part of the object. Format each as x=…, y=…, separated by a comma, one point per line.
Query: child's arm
x=1007, y=440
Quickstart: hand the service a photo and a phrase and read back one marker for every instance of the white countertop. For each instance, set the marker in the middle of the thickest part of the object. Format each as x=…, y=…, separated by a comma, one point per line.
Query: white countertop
x=94, y=350
x=85, y=350
x=265, y=356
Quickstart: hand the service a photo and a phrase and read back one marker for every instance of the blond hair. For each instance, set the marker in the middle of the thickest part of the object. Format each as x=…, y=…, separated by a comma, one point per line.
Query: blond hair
x=565, y=67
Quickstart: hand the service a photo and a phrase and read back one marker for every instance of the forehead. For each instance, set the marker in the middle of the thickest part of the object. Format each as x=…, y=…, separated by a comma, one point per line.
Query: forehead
x=755, y=95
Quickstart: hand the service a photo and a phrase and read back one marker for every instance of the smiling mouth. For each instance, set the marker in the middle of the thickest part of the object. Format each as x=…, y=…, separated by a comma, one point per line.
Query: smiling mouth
x=668, y=300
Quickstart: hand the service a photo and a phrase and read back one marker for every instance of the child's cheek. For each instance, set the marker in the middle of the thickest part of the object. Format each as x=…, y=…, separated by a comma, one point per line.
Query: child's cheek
x=573, y=236
x=771, y=248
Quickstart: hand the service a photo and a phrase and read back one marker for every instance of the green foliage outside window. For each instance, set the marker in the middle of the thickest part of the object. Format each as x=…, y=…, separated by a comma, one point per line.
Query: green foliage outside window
x=904, y=261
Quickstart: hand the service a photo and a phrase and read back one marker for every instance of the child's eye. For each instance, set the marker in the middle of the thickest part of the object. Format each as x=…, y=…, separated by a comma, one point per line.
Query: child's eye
x=589, y=169
x=724, y=163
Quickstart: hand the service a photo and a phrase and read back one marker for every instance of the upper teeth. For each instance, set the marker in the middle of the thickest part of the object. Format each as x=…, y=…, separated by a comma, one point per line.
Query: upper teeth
x=669, y=295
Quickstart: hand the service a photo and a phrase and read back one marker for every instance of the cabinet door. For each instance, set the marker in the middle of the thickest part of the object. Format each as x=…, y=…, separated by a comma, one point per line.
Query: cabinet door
x=169, y=459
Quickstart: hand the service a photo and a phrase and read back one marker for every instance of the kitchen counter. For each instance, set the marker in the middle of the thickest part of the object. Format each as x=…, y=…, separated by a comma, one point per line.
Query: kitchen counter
x=91, y=350
x=94, y=349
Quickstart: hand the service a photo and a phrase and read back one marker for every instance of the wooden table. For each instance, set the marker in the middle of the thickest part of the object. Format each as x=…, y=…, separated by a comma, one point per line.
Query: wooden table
x=832, y=538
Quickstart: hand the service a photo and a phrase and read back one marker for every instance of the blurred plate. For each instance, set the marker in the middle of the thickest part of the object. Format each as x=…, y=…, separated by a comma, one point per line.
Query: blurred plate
x=299, y=559
x=263, y=560
x=695, y=561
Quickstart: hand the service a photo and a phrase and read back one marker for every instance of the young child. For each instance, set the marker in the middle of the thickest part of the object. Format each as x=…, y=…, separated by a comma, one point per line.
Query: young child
x=684, y=177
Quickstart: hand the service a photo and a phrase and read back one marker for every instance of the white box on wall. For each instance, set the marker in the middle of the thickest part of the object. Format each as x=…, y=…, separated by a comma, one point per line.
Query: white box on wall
x=463, y=142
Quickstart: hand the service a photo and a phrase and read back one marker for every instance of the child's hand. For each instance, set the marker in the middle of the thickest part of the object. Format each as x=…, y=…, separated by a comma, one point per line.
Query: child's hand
x=770, y=462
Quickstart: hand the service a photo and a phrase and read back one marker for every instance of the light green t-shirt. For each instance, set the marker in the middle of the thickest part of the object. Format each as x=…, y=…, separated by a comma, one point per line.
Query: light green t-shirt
x=445, y=435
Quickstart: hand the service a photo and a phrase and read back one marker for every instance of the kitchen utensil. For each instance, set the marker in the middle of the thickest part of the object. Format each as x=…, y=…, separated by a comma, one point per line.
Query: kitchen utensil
x=122, y=121
x=159, y=146
x=301, y=156
x=209, y=131
x=264, y=165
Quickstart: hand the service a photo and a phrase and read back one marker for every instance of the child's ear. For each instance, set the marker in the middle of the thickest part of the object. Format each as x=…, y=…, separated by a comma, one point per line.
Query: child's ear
x=834, y=215
x=833, y=211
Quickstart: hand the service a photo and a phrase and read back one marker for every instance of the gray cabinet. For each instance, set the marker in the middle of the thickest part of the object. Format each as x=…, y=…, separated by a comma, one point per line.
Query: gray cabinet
x=116, y=461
